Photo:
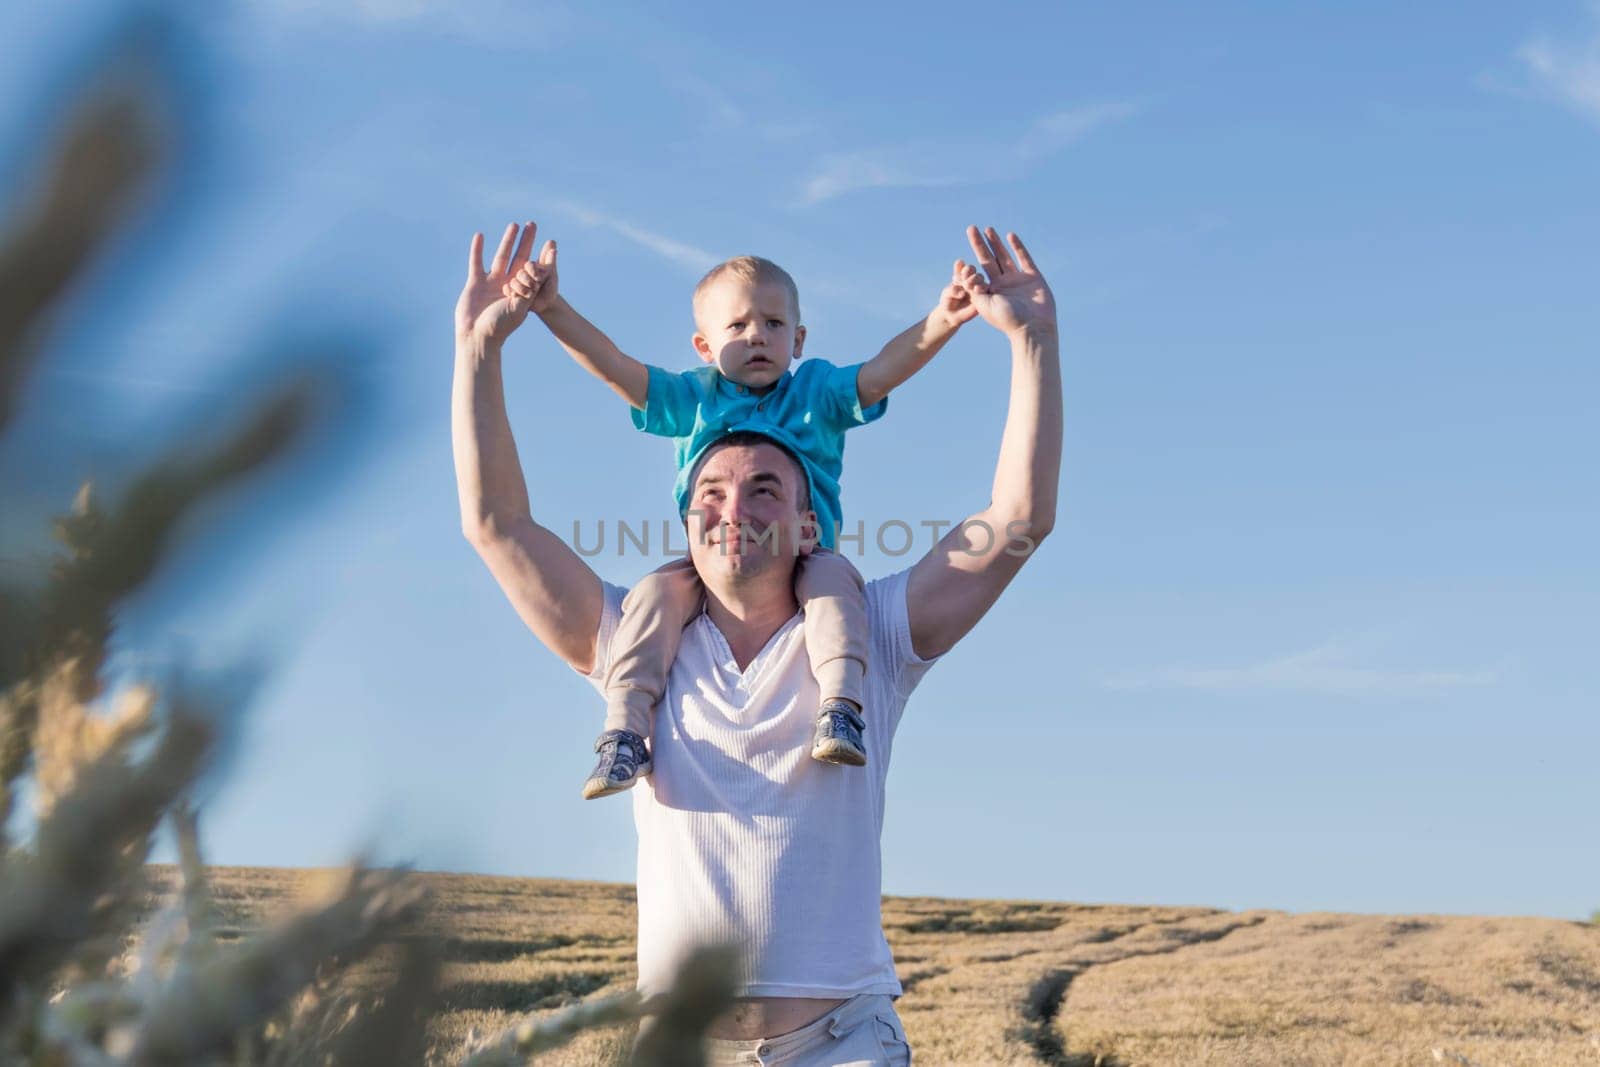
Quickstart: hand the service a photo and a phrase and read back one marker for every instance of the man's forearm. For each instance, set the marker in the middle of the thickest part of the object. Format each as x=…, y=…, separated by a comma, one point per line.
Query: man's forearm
x=489, y=478
x=592, y=350
x=1029, y=469
x=902, y=357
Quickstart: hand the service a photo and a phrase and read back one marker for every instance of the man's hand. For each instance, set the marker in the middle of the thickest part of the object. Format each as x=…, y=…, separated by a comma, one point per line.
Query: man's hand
x=483, y=312
x=535, y=285
x=1011, y=295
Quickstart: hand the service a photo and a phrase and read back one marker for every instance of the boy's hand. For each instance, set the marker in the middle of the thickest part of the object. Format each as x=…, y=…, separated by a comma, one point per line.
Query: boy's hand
x=955, y=308
x=534, y=287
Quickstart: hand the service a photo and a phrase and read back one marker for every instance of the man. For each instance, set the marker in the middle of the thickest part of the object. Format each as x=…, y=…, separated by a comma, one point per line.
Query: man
x=740, y=836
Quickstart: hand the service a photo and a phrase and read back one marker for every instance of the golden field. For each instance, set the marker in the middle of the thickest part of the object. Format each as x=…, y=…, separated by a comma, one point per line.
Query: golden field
x=1027, y=982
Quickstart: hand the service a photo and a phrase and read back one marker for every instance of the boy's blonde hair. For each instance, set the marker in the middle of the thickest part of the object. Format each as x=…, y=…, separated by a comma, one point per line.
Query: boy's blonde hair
x=752, y=270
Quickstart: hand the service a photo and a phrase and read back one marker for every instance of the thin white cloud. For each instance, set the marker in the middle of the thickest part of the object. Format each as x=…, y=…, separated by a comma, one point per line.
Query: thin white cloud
x=1052, y=133
x=846, y=173
x=931, y=164
x=693, y=258
x=1329, y=669
x=711, y=100
x=1569, y=70
x=652, y=40
x=396, y=10
x=371, y=11
x=481, y=22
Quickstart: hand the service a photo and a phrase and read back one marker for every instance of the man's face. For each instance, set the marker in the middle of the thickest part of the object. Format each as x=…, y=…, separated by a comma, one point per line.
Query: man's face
x=748, y=331
x=744, y=518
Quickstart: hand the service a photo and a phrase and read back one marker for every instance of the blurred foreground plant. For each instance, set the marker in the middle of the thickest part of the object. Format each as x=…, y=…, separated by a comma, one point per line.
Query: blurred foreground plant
x=81, y=982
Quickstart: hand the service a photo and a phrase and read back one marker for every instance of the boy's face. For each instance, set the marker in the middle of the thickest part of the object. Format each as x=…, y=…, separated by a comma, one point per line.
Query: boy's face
x=748, y=330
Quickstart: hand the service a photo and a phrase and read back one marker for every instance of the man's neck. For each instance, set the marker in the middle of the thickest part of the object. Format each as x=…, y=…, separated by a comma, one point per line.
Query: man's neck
x=748, y=617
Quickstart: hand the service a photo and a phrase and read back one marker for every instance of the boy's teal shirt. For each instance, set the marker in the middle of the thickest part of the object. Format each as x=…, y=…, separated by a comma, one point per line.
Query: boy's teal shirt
x=808, y=410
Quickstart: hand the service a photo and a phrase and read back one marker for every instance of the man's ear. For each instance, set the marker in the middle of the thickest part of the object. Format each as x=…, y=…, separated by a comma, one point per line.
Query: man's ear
x=702, y=348
x=799, y=340
x=694, y=526
x=809, y=531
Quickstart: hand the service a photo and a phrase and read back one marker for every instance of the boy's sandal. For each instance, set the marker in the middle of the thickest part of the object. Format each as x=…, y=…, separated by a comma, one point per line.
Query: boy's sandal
x=624, y=759
x=837, y=736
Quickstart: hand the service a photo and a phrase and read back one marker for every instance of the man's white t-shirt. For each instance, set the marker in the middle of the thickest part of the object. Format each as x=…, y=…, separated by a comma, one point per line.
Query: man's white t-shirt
x=743, y=837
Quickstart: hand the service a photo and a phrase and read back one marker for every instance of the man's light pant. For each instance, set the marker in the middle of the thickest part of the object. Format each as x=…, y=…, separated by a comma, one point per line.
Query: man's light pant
x=656, y=610
x=864, y=1031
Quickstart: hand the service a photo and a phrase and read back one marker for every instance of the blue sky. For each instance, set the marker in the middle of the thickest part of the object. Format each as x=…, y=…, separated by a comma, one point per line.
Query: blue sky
x=1311, y=632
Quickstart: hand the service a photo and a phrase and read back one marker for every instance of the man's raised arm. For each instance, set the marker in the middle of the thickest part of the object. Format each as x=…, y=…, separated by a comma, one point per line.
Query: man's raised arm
x=956, y=583
x=551, y=587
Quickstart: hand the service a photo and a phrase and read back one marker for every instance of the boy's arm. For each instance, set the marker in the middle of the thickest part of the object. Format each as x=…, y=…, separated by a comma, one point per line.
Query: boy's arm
x=910, y=351
x=535, y=287
x=594, y=352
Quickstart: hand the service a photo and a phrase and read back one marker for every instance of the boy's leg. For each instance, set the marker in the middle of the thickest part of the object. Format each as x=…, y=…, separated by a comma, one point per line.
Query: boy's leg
x=834, y=597
x=654, y=614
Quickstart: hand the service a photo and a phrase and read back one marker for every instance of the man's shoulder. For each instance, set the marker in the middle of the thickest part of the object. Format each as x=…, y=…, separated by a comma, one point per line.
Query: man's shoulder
x=883, y=584
x=611, y=597
x=889, y=623
x=886, y=600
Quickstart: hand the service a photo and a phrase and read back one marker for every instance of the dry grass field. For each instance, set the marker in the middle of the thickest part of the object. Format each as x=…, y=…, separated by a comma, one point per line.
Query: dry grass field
x=1014, y=982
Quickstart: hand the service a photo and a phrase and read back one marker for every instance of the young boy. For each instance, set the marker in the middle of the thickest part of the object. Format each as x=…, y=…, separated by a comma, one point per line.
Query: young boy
x=748, y=332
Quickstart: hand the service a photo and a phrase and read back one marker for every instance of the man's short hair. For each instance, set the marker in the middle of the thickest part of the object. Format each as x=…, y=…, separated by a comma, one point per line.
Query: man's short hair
x=753, y=270
x=749, y=439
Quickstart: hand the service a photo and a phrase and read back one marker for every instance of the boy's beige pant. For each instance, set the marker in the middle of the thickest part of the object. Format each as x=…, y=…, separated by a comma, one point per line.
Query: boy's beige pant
x=656, y=610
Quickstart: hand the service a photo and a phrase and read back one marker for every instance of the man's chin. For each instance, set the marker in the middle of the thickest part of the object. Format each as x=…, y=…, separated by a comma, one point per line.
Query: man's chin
x=739, y=561
x=743, y=559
